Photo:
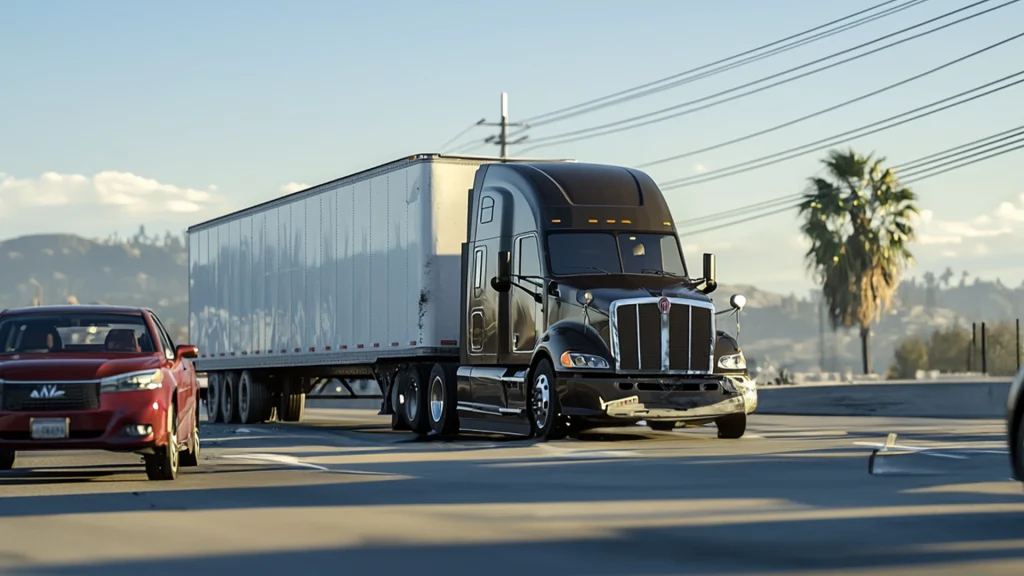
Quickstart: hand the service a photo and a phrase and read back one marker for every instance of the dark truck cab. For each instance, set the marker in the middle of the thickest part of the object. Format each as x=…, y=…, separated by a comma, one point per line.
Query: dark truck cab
x=580, y=311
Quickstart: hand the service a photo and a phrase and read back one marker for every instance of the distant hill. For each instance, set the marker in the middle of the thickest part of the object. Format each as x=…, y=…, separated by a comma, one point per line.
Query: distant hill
x=777, y=330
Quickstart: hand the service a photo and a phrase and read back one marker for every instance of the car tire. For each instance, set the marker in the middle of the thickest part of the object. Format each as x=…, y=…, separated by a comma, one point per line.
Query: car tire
x=163, y=464
x=732, y=426
x=190, y=458
x=7, y=459
x=662, y=426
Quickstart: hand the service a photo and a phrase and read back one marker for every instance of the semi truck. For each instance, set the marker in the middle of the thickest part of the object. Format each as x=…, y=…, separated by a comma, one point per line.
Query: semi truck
x=535, y=298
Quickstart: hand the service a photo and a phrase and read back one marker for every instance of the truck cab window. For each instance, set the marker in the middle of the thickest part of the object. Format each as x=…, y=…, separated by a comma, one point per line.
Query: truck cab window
x=486, y=210
x=642, y=252
x=529, y=259
x=583, y=253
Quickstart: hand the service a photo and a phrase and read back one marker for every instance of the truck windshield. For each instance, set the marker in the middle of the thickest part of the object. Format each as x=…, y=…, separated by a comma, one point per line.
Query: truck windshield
x=614, y=253
x=79, y=332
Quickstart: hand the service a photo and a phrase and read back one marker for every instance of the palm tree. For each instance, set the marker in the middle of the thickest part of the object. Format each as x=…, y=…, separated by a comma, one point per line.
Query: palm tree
x=860, y=222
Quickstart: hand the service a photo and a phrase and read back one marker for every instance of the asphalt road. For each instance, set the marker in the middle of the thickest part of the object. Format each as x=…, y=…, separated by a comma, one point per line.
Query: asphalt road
x=341, y=494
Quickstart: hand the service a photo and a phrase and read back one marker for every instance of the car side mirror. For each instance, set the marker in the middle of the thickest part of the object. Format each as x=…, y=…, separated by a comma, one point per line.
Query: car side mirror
x=187, y=351
x=710, y=282
x=738, y=301
x=503, y=281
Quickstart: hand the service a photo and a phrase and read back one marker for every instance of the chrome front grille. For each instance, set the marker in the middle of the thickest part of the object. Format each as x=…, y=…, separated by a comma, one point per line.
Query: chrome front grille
x=680, y=341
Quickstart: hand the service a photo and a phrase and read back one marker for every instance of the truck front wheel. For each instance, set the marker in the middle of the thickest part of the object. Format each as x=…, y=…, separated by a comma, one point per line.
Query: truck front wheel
x=544, y=408
x=732, y=426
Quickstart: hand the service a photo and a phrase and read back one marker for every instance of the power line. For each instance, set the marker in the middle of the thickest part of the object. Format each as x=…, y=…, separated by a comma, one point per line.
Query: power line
x=916, y=164
x=639, y=121
x=460, y=134
x=832, y=108
x=941, y=168
x=840, y=138
x=717, y=66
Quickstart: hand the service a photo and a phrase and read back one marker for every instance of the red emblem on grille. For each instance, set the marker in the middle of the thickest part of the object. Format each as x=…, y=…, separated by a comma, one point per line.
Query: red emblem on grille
x=664, y=305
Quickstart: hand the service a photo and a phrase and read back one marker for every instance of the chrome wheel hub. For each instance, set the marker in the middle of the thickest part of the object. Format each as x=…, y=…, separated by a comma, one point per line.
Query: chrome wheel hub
x=436, y=399
x=541, y=401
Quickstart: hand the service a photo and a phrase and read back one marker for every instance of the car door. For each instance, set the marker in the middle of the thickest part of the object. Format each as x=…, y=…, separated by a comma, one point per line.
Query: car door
x=183, y=379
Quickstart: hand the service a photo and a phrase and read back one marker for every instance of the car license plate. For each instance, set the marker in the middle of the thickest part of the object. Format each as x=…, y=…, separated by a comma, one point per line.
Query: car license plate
x=49, y=428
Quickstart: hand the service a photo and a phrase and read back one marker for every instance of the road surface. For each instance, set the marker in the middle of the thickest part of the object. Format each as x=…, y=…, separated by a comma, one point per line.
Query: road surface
x=341, y=494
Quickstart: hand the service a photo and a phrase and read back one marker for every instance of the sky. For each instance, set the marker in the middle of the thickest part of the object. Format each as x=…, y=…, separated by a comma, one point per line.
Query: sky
x=116, y=113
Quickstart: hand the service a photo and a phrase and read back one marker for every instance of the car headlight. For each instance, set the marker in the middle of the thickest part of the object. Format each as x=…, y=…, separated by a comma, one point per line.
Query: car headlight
x=733, y=362
x=579, y=360
x=147, y=380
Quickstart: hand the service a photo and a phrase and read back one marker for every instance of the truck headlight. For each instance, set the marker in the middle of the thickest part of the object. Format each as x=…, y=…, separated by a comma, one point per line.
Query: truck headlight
x=579, y=360
x=135, y=381
x=733, y=362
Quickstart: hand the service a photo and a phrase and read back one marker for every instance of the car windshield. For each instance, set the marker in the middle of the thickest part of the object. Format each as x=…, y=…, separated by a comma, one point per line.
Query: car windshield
x=614, y=253
x=75, y=333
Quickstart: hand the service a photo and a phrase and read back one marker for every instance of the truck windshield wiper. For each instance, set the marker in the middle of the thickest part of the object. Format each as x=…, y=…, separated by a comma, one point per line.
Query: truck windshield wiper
x=660, y=272
x=594, y=268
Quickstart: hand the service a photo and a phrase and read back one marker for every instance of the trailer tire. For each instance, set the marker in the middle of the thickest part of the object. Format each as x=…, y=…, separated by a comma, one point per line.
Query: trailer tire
x=253, y=399
x=229, y=398
x=398, y=421
x=414, y=388
x=214, y=385
x=443, y=397
x=293, y=401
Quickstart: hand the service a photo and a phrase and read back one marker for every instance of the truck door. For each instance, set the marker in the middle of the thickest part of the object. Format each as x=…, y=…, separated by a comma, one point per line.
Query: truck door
x=526, y=313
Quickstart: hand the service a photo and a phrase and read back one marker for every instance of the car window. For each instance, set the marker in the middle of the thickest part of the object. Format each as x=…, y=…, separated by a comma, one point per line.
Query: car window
x=83, y=332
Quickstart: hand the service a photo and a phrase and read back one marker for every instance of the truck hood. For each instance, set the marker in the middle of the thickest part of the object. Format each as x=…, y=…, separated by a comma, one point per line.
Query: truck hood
x=52, y=367
x=607, y=289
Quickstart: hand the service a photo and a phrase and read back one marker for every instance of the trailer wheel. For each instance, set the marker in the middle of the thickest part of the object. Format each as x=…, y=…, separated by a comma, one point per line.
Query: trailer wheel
x=214, y=385
x=443, y=396
x=398, y=421
x=293, y=401
x=732, y=426
x=253, y=399
x=414, y=389
x=229, y=398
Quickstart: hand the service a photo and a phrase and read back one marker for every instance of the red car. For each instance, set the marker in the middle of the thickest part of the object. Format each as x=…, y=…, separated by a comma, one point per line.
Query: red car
x=97, y=378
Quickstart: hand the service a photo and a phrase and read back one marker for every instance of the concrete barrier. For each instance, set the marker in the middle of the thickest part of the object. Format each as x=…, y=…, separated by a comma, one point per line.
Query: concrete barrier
x=908, y=399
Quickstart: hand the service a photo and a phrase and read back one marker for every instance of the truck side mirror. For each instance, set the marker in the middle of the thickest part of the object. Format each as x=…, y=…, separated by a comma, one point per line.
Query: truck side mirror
x=738, y=301
x=710, y=282
x=502, y=282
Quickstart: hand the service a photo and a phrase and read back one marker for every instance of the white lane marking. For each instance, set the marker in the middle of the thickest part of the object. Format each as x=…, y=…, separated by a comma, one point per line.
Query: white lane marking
x=933, y=450
x=293, y=461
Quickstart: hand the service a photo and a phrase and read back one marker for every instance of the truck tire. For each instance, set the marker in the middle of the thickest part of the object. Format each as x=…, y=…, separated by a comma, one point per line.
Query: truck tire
x=7, y=459
x=732, y=426
x=443, y=396
x=254, y=403
x=1018, y=462
x=398, y=421
x=293, y=401
x=229, y=398
x=543, y=406
x=414, y=389
x=214, y=384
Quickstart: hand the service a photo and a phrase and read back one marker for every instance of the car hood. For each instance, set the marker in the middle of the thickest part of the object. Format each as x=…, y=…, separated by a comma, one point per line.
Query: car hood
x=51, y=367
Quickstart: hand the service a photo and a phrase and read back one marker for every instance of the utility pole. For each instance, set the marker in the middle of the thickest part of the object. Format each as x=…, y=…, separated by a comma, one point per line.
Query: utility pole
x=502, y=138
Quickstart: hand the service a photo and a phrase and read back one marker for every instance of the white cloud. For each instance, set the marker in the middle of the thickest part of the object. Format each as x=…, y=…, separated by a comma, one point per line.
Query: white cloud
x=73, y=202
x=293, y=187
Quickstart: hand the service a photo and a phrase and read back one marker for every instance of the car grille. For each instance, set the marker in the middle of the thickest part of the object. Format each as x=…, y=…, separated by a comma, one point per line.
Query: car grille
x=33, y=396
x=681, y=342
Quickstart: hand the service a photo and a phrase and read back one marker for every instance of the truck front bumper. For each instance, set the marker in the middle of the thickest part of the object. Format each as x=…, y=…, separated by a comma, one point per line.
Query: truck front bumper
x=624, y=400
